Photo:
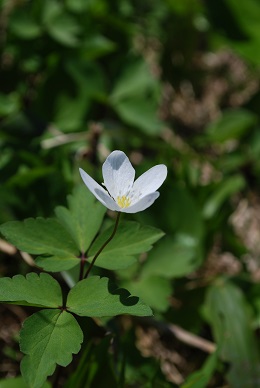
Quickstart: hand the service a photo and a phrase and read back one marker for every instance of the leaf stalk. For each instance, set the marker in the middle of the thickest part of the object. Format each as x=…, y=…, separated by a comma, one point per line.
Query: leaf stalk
x=103, y=246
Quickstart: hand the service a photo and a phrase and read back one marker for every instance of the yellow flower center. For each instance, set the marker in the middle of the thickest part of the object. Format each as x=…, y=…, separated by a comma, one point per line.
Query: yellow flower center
x=123, y=201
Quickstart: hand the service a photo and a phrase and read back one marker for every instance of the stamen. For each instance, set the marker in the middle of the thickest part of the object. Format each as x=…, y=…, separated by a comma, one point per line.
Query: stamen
x=123, y=201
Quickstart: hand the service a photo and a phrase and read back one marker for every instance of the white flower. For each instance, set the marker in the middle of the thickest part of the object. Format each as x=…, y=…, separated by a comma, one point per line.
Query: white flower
x=123, y=194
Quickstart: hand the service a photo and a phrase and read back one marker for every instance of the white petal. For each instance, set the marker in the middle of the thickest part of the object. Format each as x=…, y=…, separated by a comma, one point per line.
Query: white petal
x=118, y=174
x=142, y=204
x=98, y=191
x=151, y=180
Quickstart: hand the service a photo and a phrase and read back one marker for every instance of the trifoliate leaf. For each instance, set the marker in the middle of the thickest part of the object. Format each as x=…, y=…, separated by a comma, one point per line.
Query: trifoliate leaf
x=131, y=239
x=48, y=337
x=99, y=297
x=83, y=217
x=35, y=290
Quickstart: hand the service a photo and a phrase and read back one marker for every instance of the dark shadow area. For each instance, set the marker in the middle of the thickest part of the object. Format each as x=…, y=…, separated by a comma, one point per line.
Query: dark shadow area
x=125, y=297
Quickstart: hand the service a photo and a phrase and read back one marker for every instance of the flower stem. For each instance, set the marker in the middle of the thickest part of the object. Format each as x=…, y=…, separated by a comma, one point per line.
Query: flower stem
x=103, y=246
x=82, y=264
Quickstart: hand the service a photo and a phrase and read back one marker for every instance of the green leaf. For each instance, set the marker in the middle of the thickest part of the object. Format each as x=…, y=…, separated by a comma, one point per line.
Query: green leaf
x=135, y=79
x=201, y=378
x=99, y=297
x=172, y=258
x=222, y=192
x=247, y=15
x=77, y=6
x=96, y=46
x=228, y=313
x=18, y=382
x=83, y=217
x=35, y=290
x=131, y=239
x=96, y=367
x=187, y=219
x=135, y=98
x=84, y=81
x=48, y=337
x=60, y=25
x=24, y=27
x=153, y=290
x=45, y=237
x=140, y=112
x=39, y=235
x=57, y=263
x=9, y=104
x=233, y=124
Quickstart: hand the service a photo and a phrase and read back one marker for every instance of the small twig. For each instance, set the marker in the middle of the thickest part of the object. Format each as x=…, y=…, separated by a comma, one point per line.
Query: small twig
x=60, y=138
x=192, y=339
x=103, y=246
x=182, y=335
x=28, y=259
x=7, y=248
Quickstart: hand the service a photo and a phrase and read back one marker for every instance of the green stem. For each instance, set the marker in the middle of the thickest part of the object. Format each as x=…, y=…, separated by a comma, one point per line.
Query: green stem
x=82, y=264
x=103, y=246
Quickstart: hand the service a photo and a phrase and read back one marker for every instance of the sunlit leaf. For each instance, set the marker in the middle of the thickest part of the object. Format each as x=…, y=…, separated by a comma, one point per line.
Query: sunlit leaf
x=83, y=217
x=99, y=297
x=45, y=237
x=131, y=239
x=18, y=382
x=39, y=236
x=36, y=290
x=48, y=337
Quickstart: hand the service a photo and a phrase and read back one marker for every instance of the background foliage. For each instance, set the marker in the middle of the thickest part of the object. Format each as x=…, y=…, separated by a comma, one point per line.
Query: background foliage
x=173, y=82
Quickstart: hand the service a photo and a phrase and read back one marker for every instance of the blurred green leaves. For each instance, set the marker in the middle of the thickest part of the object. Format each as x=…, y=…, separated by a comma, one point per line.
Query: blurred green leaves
x=171, y=258
x=59, y=24
x=135, y=97
x=221, y=193
x=232, y=124
x=229, y=315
